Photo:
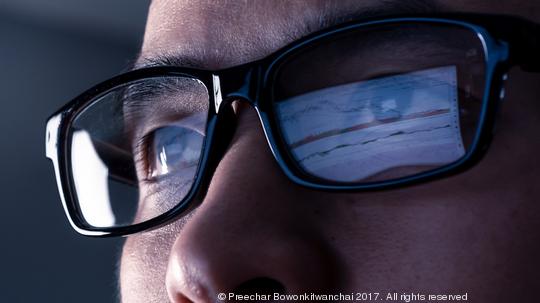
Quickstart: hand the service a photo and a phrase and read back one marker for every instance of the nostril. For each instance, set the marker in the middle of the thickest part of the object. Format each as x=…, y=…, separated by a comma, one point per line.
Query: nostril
x=182, y=299
x=260, y=286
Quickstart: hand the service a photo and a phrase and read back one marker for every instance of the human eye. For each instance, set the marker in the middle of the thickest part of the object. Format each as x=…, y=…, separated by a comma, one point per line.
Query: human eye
x=167, y=161
x=173, y=150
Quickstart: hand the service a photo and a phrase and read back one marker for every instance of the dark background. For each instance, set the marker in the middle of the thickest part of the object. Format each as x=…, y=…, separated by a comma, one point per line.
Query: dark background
x=50, y=51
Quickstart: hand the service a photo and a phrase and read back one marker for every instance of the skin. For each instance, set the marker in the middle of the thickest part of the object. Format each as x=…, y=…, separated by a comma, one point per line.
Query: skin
x=477, y=232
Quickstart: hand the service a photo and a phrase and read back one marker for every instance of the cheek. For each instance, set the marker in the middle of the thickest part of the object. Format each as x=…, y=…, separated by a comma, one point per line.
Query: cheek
x=387, y=241
x=456, y=233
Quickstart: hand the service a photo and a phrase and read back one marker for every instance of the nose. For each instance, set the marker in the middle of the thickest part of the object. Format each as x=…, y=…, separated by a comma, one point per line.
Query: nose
x=254, y=233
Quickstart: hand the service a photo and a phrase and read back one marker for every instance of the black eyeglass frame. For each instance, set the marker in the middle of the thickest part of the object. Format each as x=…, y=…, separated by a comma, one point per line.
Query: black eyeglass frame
x=507, y=41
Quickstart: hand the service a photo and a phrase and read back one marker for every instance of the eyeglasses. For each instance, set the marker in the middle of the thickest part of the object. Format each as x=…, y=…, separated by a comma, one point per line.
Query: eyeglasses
x=363, y=106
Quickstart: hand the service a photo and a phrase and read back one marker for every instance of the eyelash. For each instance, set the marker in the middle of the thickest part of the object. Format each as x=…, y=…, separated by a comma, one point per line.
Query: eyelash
x=141, y=156
x=141, y=160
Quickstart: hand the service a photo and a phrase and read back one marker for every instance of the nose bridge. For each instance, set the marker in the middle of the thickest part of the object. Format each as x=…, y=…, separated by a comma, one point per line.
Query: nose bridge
x=240, y=82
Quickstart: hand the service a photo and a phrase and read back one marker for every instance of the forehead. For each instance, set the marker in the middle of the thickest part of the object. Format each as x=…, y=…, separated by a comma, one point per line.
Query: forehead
x=217, y=34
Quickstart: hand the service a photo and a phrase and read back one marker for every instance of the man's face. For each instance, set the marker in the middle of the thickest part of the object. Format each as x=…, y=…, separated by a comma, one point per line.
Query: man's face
x=476, y=233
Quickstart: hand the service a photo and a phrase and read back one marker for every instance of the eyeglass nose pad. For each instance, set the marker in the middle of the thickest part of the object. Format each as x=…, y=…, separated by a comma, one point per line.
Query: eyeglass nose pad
x=225, y=128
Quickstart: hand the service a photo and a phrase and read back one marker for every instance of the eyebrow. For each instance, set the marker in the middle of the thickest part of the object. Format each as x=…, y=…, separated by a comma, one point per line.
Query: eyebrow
x=324, y=20
x=138, y=97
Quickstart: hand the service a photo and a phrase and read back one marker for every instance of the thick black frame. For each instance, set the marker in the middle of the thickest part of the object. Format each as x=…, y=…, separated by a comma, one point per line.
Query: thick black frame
x=507, y=41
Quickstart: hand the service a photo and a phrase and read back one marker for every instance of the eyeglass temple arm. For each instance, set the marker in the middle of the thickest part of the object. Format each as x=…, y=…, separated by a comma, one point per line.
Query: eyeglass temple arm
x=524, y=39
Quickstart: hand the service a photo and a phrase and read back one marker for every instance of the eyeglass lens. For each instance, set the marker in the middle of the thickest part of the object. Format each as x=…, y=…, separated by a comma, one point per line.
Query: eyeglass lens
x=135, y=151
x=383, y=102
